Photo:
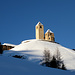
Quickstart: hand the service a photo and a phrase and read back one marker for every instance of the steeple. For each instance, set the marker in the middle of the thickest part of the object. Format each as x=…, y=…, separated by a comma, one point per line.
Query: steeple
x=39, y=23
x=49, y=31
x=49, y=35
x=39, y=31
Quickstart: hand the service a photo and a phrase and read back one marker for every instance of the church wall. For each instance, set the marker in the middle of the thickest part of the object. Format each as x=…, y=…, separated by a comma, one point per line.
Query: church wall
x=39, y=32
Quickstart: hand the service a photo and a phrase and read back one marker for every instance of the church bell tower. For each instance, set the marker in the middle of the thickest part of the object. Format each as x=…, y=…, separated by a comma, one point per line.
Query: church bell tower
x=39, y=31
x=49, y=35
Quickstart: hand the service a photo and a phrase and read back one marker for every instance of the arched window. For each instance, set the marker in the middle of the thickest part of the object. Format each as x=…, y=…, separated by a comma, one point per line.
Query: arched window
x=50, y=33
x=40, y=26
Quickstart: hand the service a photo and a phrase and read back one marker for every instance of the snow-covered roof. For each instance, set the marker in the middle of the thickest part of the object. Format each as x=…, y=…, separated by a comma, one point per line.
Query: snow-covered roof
x=39, y=23
x=49, y=31
x=9, y=44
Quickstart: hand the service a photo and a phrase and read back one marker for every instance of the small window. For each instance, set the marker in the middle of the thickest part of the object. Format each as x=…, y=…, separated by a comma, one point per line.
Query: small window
x=50, y=33
x=40, y=26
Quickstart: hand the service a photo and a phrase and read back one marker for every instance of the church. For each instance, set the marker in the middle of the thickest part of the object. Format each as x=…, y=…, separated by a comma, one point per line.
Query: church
x=49, y=35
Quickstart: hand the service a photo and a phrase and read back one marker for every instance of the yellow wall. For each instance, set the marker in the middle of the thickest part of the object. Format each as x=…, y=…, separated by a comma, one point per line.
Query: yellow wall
x=39, y=31
x=49, y=36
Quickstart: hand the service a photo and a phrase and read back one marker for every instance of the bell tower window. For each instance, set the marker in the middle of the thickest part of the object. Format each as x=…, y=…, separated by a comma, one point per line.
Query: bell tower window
x=40, y=26
x=50, y=33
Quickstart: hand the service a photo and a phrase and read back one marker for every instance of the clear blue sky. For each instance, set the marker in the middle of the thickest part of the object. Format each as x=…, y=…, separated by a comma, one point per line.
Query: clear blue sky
x=19, y=17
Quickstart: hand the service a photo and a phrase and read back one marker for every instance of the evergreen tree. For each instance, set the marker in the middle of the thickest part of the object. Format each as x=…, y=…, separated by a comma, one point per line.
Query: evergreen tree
x=46, y=58
x=63, y=67
x=54, y=62
x=58, y=58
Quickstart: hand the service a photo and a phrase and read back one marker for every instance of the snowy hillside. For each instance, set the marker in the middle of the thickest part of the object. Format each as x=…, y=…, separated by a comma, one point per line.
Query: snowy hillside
x=14, y=66
x=33, y=50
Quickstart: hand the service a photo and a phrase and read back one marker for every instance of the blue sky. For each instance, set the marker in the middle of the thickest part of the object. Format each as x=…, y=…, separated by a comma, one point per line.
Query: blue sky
x=19, y=17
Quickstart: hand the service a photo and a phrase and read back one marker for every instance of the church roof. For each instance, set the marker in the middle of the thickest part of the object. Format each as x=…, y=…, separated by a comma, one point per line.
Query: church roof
x=49, y=31
x=39, y=23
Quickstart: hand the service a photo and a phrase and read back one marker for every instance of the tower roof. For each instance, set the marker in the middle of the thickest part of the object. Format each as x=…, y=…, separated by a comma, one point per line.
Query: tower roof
x=49, y=31
x=39, y=23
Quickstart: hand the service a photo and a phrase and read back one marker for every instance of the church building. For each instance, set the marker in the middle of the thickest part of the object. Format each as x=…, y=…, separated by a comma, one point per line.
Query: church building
x=49, y=35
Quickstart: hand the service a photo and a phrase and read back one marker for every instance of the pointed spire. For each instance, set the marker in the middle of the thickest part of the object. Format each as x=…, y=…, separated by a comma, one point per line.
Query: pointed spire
x=49, y=31
x=39, y=23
